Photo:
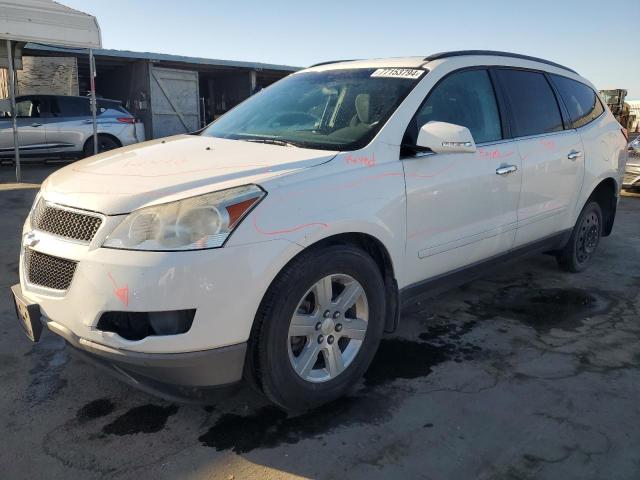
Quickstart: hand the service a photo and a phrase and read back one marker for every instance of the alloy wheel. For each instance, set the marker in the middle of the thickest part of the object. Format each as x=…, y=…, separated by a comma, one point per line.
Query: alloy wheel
x=328, y=327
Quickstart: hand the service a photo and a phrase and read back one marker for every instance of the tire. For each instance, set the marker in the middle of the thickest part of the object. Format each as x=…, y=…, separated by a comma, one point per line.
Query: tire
x=578, y=252
x=105, y=143
x=277, y=357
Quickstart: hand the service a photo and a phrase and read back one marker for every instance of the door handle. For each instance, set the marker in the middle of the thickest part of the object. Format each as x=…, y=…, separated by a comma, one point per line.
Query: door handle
x=505, y=169
x=573, y=154
x=36, y=124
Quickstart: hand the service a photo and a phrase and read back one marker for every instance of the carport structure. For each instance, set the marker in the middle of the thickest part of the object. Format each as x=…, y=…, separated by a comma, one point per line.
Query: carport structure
x=49, y=23
x=170, y=94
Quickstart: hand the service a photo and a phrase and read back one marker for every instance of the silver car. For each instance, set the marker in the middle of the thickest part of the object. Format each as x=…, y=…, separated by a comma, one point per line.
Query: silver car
x=61, y=126
x=632, y=170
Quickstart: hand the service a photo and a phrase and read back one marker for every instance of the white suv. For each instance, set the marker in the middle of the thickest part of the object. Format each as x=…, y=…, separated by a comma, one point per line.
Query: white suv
x=281, y=242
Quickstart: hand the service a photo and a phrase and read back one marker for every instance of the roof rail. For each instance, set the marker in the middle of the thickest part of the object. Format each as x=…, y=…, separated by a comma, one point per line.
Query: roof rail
x=460, y=53
x=332, y=61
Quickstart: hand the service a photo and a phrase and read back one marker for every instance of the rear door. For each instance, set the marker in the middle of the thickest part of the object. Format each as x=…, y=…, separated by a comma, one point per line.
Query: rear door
x=72, y=126
x=586, y=114
x=31, y=118
x=552, y=156
x=459, y=209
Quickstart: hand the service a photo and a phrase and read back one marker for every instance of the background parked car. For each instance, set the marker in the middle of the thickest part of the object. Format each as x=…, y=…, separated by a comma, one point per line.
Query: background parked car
x=61, y=126
x=632, y=170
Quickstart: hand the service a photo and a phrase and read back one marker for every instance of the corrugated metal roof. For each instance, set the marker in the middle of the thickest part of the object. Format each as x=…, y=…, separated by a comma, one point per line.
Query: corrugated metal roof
x=165, y=57
x=48, y=22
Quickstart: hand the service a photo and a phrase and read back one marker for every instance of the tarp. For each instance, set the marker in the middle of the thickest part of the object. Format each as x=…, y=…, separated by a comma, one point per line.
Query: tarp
x=48, y=22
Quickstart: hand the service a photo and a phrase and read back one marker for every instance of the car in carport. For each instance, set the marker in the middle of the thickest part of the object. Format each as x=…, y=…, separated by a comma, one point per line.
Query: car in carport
x=62, y=126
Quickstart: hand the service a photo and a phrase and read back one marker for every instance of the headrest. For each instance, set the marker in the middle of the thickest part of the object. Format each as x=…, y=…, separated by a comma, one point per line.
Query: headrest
x=362, y=107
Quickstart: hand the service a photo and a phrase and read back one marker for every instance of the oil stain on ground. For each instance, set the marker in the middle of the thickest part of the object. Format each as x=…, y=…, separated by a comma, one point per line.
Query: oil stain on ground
x=95, y=409
x=543, y=308
x=144, y=419
x=400, y=358
x=270, y=427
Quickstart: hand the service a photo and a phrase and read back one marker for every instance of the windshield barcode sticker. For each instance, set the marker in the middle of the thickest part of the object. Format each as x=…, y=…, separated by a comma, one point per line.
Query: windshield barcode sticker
x=410, y=73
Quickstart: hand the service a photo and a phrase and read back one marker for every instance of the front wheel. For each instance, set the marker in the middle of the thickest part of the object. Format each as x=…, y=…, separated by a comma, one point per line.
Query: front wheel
x=577, y=253
x=318, y=327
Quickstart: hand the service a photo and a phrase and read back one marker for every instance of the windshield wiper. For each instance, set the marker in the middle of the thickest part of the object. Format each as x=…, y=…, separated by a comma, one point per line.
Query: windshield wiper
x=271, y=141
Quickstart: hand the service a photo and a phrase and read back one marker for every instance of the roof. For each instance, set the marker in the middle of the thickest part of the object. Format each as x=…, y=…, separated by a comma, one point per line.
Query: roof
x=417, y=62
x=394, y=62
x=493, y=53
x=165, y=57
x=48, y=22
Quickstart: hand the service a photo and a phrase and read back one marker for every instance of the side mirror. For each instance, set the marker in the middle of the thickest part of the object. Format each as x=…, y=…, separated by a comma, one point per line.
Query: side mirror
x=442, y=137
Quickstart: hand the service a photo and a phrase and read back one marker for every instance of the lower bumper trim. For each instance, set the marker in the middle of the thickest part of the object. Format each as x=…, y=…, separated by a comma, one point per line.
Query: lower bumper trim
x=207, y=368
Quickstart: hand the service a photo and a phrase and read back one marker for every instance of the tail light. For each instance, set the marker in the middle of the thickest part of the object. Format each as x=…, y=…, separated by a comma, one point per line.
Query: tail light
x=625, y=133
x=126, y=119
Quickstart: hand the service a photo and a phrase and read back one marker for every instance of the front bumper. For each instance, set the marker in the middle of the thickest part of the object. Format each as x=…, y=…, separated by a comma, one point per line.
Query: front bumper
x=224, y=286
x=171, y=375
x=205, y=368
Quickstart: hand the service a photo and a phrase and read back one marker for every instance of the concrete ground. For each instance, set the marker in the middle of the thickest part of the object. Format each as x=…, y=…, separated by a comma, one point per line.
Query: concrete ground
x=528, y=373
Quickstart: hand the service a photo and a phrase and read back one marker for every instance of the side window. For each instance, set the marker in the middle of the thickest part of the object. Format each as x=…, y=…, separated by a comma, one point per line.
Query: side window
x=464, y=98
x=72, y=107
x=29, y=108
x=582, y=102
x=534, y=107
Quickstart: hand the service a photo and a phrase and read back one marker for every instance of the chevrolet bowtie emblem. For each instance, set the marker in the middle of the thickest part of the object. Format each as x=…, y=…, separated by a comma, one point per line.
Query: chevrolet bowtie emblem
x=30, y=240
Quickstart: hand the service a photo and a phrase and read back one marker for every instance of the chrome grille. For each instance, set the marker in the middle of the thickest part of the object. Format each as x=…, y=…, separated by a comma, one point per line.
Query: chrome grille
x=48, y=271
x=64, y=223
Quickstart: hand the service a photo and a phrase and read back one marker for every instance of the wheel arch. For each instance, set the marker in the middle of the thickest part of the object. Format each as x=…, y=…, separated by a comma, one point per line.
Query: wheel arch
x=606, y=195
x=376, y=249
x=101, y=134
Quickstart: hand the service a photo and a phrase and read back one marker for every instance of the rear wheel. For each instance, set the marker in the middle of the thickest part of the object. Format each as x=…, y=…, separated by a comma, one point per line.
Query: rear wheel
x=318, y=327
x=105, y=143
x=582, y=244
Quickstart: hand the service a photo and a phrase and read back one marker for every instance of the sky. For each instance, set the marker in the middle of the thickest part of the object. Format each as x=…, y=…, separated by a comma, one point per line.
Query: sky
x=593, y=37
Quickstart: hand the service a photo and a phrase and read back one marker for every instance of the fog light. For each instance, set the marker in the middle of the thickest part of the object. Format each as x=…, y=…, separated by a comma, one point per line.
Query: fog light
x=139, y=325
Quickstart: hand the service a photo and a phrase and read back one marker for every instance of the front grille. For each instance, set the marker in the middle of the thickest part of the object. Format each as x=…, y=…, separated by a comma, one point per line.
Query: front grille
x=65, y=223
x=48, y=271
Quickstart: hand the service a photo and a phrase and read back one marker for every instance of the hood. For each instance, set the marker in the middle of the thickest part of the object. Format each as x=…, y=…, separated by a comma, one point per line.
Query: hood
x=171, y=168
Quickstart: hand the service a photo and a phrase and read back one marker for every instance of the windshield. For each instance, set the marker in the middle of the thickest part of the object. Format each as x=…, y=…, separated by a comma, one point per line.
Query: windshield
x=331, y=110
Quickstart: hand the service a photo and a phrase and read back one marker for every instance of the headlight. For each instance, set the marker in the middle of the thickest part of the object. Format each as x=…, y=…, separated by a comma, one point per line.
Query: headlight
x=194, y=223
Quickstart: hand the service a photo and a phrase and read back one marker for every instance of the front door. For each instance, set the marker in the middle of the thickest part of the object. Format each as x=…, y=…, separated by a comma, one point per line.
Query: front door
x=31, y=127
x=461, y=207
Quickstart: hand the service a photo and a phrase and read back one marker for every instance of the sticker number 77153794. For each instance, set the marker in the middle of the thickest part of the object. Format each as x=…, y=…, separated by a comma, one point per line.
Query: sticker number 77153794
x=408, y=73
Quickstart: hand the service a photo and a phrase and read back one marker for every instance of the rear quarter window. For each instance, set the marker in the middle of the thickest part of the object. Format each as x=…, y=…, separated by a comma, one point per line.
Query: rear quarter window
x=71, y=107
x=534, y=108
x=104, y=105
x=581, y=101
